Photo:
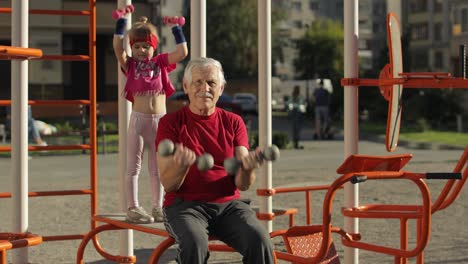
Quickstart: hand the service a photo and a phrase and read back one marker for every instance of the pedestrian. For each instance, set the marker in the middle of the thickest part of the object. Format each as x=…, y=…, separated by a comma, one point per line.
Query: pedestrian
x=296, y=109
x=33, y=131
x=201, y=204
x=322, y=108
x=147, y=87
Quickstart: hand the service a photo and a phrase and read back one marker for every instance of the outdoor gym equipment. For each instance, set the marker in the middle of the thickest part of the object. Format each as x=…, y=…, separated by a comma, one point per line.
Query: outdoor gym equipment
x=392, y=79
x=313, y=243
x=121, y=12
x=204, y=162
x=11, y=53
x=271, y=153
x=16, y=240
x=179, y=20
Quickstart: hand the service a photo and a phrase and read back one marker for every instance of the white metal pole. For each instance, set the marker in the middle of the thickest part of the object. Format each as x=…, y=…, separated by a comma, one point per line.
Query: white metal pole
x=19, y=121
x=197, y=28
x=264, y=98
x=394, y=6
x=351, y=121
x=126, y=236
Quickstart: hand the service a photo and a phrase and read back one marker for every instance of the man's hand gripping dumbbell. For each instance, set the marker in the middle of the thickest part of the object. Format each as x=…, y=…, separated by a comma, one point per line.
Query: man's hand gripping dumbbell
x=253, y=160
x=185, y=157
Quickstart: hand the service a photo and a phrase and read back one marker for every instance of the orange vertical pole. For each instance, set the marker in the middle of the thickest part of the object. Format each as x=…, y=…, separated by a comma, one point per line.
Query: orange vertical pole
x=92, y=107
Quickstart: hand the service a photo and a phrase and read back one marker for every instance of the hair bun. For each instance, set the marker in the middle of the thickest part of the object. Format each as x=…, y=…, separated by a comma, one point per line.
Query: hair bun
x=143, y=19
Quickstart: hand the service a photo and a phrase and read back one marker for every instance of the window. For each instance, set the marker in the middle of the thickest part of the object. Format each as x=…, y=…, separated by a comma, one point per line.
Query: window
x=297, y=6
x=461, y=19
x=438, y=59
x=464, y=19
x=297, y=23
x=314, y=6
x=438, y=32
x=419, y=32
x=438, y=6
x=418, y=6
x=376, y=27
x=420, y=60
x=363, y=44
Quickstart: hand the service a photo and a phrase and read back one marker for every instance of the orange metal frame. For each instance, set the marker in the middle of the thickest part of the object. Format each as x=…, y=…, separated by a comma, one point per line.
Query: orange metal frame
x=117, y=222
x=378, y=168
x=14, y=240
x=388, y=78
x=7, y=52
x=12, y=53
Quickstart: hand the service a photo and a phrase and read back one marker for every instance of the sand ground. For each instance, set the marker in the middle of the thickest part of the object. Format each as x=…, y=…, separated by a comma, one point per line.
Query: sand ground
x=314, y=165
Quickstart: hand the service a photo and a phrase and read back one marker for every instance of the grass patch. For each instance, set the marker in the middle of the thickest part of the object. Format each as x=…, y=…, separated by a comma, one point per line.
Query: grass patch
x=449, y=138
x=416, y=135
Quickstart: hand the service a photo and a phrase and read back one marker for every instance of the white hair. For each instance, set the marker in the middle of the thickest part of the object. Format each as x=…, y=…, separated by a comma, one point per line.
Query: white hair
x=203, y=62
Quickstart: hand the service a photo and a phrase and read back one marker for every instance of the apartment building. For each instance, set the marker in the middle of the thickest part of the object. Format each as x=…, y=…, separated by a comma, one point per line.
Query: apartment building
x=437, y=28
x=302, y=13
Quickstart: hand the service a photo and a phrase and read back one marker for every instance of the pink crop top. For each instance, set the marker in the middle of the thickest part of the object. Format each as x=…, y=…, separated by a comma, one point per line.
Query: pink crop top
x=148, y=77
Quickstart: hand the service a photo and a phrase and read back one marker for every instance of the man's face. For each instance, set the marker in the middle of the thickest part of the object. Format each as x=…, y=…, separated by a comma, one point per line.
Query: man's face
x=204, y=90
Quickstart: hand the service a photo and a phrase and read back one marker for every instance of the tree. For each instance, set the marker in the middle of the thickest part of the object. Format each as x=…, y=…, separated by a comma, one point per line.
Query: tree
x=320, y=51
x=232, y=35
x=320, y=55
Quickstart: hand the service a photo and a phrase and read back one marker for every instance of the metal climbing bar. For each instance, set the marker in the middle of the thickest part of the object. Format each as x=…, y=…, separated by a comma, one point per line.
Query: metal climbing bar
x=21, y=53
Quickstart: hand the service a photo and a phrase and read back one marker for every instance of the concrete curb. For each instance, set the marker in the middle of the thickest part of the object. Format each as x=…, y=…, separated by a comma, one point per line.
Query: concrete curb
x=413, y=144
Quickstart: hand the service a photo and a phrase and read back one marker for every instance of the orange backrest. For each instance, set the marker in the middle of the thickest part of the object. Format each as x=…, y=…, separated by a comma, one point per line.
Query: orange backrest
x=359, y=163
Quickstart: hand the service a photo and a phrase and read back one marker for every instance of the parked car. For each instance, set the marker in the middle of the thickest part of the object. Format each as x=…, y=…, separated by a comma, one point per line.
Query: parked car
x=247, y=101
x=179, y=99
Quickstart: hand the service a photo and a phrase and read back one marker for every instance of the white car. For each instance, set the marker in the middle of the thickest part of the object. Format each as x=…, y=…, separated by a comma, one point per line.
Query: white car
x=247, y=101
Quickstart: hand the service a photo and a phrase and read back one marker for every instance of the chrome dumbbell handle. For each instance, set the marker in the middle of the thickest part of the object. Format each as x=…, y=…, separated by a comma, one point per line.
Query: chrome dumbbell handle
x=232, y=165
x=204, y=162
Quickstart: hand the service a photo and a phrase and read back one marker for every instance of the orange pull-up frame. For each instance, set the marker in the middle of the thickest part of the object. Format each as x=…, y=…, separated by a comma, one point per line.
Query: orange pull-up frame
x=27, y=53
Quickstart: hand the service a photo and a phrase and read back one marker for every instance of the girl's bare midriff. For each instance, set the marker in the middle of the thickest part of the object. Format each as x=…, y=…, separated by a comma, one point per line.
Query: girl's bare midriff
x=150, y=104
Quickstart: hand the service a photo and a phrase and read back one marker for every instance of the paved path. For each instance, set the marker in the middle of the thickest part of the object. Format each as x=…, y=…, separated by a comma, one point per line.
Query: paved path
x=316, y=164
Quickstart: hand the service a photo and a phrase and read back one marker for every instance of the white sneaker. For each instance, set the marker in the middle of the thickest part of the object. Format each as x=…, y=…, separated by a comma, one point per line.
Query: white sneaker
x=138, y=215
x=43, y=144
x=158, y=214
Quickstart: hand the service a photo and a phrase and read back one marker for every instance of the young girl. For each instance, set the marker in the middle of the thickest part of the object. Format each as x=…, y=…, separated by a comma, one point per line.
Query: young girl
x=147, y=86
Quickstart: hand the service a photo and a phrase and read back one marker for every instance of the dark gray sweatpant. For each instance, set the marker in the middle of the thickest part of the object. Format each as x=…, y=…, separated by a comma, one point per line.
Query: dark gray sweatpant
x=234, y=223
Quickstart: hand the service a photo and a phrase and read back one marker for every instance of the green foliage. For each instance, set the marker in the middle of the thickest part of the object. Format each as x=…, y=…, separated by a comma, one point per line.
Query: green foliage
x=109, y=126
x=233, y=36
x=321, y=50
x=280, y=139
x=320, y=55
x=422, y=125
x=449, y=138
x=64, y=127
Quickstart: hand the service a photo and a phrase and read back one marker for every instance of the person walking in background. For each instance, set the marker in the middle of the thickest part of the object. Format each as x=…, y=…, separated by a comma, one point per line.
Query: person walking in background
x=198, y=203
x=322, y=108
x=33, y=131
x=147, y=87
x=296, y=108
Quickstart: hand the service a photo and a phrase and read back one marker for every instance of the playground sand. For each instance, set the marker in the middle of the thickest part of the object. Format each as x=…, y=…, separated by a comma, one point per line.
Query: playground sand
x=315, y=165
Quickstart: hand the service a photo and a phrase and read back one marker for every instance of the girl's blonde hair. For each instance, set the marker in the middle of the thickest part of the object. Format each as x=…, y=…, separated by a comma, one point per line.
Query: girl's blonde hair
x=142, y=29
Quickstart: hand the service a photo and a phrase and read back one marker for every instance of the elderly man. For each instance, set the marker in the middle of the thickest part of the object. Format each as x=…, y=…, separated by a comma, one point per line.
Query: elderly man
x=202, y=203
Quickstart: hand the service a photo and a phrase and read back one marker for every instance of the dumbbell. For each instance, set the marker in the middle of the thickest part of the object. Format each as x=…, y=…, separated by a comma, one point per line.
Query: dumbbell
x=271, y=153
x=121, y=12
x=180, y=20
x=204, y=162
